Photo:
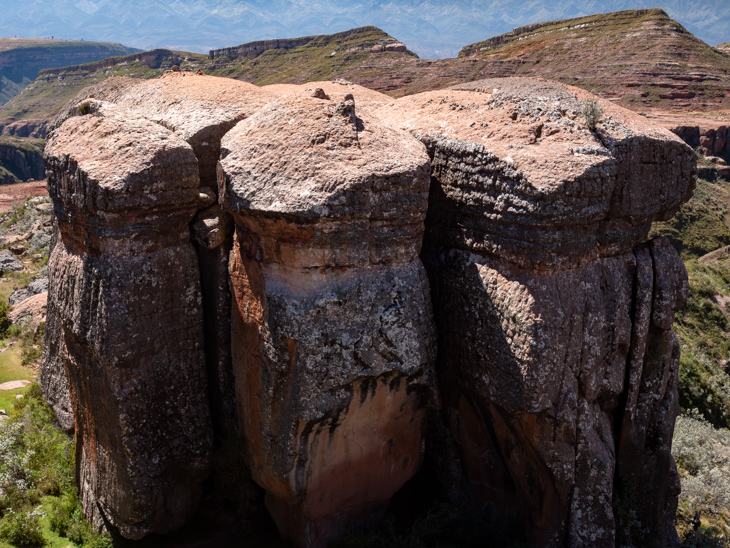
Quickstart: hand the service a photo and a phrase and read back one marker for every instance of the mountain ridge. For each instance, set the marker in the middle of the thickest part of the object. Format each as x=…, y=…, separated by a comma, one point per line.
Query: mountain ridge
x=428, y=27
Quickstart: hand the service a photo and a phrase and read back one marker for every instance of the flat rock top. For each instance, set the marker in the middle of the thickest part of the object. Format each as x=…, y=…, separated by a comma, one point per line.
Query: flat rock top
x=181, y=101
x=123, y=153
x=536, y=125
x=298, y=154
x=367, y=100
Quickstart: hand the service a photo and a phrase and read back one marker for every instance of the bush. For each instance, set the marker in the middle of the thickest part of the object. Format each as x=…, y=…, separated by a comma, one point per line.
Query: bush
x=592, y=112
x=702, y=454
x=22, y=529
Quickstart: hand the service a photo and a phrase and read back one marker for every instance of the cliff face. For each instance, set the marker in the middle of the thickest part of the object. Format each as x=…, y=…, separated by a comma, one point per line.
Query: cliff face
x=557, y=364
x=546, y=312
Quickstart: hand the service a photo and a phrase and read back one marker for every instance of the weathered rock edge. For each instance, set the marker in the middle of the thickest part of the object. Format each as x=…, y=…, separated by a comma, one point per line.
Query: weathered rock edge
x=125, y=292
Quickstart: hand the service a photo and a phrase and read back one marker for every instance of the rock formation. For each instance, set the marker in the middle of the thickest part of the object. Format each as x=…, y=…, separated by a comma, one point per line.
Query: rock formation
x=200, y=110
x=557, y=363
x=333, y=337
x=125, y=286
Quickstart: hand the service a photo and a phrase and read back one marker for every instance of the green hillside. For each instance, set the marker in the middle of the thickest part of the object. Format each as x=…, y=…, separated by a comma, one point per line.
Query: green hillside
x=22, y=58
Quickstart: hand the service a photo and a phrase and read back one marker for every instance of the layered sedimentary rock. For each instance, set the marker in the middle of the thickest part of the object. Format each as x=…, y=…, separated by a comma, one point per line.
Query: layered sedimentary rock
x=557, y=363
x=200, y=110
x=333, y=336
x=125, y=291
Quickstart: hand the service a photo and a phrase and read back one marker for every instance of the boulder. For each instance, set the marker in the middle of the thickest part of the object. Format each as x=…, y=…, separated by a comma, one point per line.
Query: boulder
x=31, y=312
x=333, y=336
x=35, y=287
x=9, y=263
x=557, y=363
x=125, y=290
x=198, y=109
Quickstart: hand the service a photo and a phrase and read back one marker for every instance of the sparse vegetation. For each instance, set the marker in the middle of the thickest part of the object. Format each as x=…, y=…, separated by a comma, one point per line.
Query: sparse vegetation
x=702, y=453
x=592, y=112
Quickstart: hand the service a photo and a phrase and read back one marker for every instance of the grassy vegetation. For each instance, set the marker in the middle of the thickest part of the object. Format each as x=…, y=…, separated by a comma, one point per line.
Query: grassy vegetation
x=39, y=504
x=702, y=439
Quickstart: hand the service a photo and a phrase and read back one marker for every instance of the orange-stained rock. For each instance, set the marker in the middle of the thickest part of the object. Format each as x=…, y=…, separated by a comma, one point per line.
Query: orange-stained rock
x=557, y=363
x=333, y=337
x=125, y=287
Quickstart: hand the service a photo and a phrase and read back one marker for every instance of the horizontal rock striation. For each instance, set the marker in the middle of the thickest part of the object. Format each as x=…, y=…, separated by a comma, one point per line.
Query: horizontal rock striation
x=557, y=363
x=333, y=336
x=125, y=286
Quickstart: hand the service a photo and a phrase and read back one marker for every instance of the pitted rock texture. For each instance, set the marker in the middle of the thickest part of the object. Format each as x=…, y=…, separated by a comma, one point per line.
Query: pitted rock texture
x=333, y=336
x=521, y=177
x=125, y=288
x=557, y=364
x=368, y=100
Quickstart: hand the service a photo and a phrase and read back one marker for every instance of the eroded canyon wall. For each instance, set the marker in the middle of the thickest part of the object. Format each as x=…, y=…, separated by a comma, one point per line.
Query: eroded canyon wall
x=285, y=298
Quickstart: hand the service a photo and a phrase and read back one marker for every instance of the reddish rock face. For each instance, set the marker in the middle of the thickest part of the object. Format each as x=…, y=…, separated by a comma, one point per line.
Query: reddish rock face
x=333, y=337
x=125, y=287
x=557, y=363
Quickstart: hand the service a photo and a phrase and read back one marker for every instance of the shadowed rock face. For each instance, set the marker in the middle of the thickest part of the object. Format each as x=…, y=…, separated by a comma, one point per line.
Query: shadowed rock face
x=333, y=337
x=125, y=286
x=557, y=363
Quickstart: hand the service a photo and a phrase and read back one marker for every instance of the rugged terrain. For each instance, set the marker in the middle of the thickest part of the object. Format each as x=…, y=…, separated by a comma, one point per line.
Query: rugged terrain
x=641, y=59
x=328, y=378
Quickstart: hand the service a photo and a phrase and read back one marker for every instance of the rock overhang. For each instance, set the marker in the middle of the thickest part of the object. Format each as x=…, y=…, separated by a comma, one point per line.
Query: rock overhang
x=517, y=154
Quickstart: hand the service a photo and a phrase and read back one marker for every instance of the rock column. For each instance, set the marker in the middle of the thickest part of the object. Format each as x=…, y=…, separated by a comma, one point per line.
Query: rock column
x=127, y=296
x=333, y=335
x=556, y=359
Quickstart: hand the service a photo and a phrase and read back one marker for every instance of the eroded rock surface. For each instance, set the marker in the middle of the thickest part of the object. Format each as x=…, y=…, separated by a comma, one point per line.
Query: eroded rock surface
x=333, y=336
x=557, y=363
x=200, y=110
x=125, y=293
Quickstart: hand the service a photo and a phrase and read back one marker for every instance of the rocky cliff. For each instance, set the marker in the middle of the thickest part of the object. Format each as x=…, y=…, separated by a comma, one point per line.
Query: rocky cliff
x=533, y=326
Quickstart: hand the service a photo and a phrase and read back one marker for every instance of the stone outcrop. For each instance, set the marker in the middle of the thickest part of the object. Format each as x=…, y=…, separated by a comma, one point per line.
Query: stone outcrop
x=333, y=336
x=231, y=260
x=557, y=363
x=9, y=263
x=125, y=290
x=35, y=287
x=200, y=110
x=368, y=100
x=31, y=312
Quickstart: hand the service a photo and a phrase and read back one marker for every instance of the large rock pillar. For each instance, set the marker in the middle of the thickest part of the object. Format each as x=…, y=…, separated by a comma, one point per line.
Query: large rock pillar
x=333, y=335
x=556, y=359
x=127, y=297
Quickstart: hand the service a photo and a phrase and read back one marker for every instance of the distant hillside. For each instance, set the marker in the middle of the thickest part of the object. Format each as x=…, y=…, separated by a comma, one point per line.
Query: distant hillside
x=725, y=48
x=641, y=57
x=309, y=58
x=277, y=61
x=431, y=28
x=22, y=58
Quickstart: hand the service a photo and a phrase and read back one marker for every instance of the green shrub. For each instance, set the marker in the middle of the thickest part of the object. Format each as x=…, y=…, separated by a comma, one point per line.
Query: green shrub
x=22, y=529
x=592, y=112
